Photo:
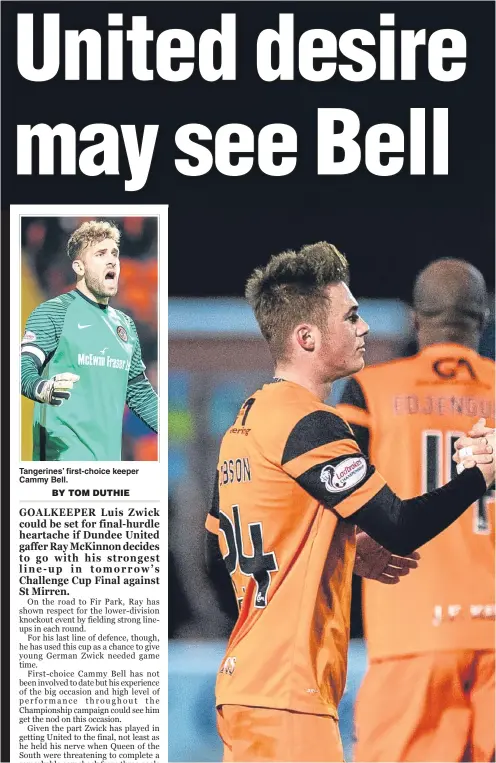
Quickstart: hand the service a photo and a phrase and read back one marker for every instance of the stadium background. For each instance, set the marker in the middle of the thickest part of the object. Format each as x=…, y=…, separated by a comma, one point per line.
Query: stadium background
x=46, y=272
x=216, y=359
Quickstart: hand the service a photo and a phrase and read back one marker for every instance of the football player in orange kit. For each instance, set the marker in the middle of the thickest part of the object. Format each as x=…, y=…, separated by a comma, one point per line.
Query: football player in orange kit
x=291, y=487
x=429, y=690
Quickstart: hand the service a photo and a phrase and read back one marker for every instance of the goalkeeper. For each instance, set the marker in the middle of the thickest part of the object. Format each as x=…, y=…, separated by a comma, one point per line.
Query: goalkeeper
x=81, y=359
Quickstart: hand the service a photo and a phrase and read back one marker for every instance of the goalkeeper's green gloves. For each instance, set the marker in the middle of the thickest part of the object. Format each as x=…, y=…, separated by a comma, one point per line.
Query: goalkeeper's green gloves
x=55, y=390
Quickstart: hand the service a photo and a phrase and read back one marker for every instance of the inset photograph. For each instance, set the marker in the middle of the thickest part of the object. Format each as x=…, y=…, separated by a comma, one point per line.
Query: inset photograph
x=89, y=347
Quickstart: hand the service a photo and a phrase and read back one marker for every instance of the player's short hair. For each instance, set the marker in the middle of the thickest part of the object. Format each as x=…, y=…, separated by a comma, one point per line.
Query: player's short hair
x=89, y=233
x=290, y=289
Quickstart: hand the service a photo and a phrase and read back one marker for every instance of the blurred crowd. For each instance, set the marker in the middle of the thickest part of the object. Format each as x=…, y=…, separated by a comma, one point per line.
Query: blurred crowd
x=44, y=241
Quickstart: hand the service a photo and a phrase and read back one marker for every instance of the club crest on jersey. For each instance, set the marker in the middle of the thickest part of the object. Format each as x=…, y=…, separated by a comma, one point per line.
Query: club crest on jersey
x=122, y=333
x=344, y=475
x=29, y=336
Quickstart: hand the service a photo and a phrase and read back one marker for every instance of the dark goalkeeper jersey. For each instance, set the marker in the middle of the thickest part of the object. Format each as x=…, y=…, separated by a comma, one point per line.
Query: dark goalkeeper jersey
x=71, y=333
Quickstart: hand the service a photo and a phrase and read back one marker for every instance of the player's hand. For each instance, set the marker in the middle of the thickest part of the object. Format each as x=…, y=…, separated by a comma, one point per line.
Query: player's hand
x=377, y=563
x=477, y=449
x=57, y=389
x=480, y=429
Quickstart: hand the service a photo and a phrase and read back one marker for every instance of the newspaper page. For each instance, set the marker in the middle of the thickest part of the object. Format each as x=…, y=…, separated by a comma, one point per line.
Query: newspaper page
x=264, y=127
x=87, y=531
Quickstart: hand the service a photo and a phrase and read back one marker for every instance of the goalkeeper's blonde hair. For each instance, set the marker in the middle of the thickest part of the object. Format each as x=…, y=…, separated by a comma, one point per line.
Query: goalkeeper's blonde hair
x=290, y=289
x=89, y=233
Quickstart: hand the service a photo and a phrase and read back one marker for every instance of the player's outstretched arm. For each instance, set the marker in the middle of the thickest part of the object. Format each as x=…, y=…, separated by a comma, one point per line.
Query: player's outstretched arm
x=322, y=456
x=404, y=525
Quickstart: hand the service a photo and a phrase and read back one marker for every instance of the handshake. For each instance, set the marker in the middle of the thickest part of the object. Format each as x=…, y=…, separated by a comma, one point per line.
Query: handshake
x=477, y=448
x=373, y=561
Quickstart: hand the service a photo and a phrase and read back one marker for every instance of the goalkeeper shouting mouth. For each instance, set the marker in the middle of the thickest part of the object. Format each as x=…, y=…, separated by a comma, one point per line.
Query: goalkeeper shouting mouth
x=81, y=359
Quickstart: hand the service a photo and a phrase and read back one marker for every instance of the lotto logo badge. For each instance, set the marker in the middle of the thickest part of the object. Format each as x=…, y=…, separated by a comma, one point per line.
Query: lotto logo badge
x=344, y=475
x=29, y=336
x=122, y=333
x=229, y=666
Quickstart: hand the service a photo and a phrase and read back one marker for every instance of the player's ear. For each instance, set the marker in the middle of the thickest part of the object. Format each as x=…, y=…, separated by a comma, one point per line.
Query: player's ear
x=305, y=337
x=78, y=267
